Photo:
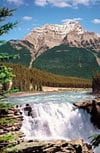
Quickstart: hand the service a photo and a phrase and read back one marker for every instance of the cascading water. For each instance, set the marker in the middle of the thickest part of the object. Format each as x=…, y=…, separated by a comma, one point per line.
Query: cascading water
x=55, y=117
x=57, y=121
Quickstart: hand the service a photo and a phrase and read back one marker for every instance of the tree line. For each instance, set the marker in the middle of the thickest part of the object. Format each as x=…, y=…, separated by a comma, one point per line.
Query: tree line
x=33, y=79
x=96, y=83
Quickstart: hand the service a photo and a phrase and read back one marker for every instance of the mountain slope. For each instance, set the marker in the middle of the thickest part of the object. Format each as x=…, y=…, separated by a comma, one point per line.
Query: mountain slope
x=48, y=36
x=81, y=58
x=23, y=48
x=71, y=33
x=68, y=61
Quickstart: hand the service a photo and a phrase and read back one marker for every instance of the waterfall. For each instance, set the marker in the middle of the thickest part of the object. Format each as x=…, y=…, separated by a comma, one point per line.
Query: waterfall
x=50, y=121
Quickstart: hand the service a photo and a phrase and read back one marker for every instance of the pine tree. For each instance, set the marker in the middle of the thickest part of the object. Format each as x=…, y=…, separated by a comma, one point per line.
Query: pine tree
x=5, y=72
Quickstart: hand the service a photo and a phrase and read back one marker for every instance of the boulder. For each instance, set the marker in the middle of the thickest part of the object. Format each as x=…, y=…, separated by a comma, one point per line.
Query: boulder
x=93, y=108
x=28, y=109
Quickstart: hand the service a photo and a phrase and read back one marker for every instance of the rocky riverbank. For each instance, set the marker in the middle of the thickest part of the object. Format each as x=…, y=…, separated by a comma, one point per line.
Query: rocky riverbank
x=10, y=124
x=75, y=146
x=93, y=108
x=13, y=121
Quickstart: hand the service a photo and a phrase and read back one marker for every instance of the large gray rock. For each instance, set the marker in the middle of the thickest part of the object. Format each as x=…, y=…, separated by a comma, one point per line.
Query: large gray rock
x=92, y=107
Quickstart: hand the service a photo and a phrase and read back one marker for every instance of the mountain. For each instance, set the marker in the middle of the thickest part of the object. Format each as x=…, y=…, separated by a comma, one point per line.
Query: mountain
x=71, y=33
x=69, y=61
x=21, y=47
x=42, y=41
x=48, y=36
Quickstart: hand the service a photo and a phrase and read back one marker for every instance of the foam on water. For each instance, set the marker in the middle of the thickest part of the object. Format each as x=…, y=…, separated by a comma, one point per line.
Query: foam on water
x=54, y=117
x=57, y=121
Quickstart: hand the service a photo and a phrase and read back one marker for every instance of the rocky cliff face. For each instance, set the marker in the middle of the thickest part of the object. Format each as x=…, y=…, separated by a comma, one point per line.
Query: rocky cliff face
x=71, y=33
x=93, y=108
x=18, y=44
x=87, y=40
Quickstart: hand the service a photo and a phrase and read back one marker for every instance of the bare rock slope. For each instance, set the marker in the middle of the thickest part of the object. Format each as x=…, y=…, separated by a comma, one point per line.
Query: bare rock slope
x=71, y=33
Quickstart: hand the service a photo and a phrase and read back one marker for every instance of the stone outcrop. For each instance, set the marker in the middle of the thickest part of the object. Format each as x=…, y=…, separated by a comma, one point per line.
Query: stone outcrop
x=10, y=125
x=77, y=146
x=92, y=107
x=87, y=40
x=13, y=121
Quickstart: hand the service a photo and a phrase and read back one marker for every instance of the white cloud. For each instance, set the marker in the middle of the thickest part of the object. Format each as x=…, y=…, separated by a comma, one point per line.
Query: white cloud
x=41, y=2
x=57, y=3
x=83, y=2
x=27, y=18
x=96, y=21
x=64, y=3
x=71, y=19
x=17, y=2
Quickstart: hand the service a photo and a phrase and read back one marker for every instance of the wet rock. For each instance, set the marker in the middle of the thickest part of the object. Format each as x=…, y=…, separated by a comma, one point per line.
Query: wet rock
x=3, y=112
x=28, y=109
x=1, y=131
x=14, y=121
x=77, y=146
x=93, y=108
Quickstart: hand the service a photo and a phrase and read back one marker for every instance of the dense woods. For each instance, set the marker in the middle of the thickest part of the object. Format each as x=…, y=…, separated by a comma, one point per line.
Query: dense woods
x=24, y=56
x=96, y=83
x=68, y=61
x=33, y=79
x=60, y=60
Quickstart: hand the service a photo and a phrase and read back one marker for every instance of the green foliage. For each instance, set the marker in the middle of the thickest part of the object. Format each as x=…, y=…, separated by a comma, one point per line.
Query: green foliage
x=5, y=28
x=5, y=74
x=68, y=61
x=10, y=91
x=5, y=106
x=4, y=142
x=6, y=56
x=24, y=56
x=96, y=83
x=6, y=137
x=4, y=13
x=60, y=60
x=34, y=78
x=95, y=140
x=5, y=121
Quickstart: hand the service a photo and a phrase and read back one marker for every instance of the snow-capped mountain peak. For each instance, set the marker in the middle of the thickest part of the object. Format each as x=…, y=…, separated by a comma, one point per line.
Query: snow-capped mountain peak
x=70, y=33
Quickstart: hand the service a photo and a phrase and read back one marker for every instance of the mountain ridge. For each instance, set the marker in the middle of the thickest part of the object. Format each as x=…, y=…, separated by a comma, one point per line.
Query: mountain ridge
x=51, y=35
x=41, y=39
x=48, y=36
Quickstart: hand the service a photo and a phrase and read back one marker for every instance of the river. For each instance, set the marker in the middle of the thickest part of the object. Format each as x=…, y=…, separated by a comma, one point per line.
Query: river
x=55, y=117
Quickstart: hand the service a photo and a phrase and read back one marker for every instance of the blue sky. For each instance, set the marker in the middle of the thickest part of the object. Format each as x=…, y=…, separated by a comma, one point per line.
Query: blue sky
x=34, y=13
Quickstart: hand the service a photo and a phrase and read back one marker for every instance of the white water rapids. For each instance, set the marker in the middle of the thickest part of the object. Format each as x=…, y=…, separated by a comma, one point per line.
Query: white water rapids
x=57, y=121
x=55, y=117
